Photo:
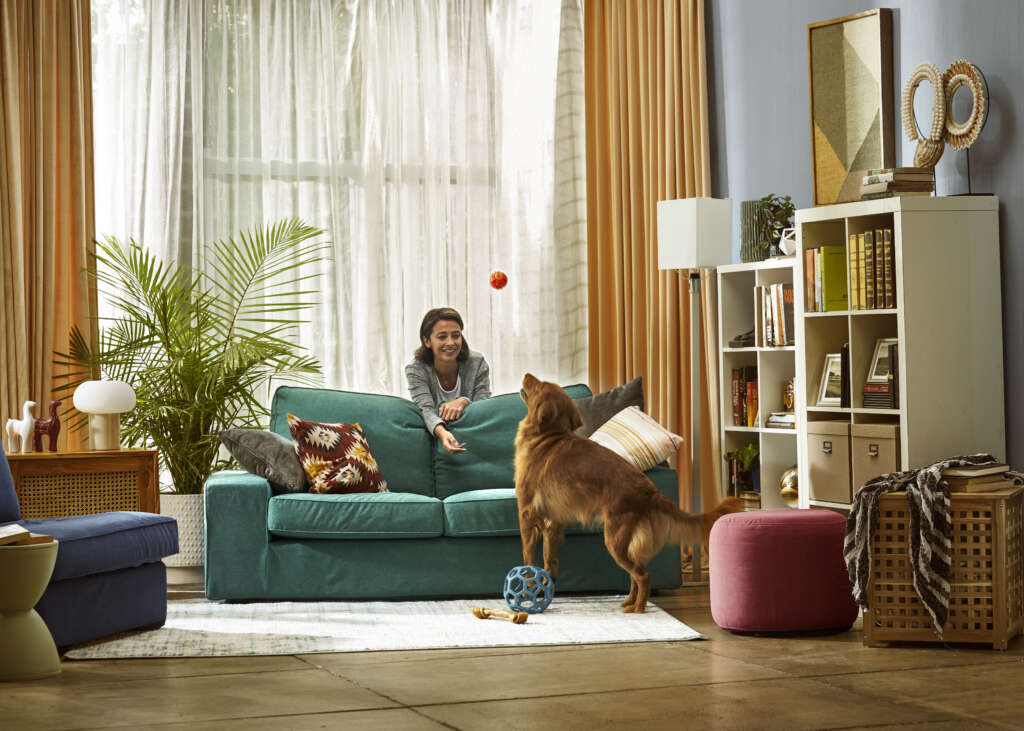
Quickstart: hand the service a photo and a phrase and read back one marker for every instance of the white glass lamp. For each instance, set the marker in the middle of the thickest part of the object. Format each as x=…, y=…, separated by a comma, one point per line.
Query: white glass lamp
x=694, y=234
x=104, y=402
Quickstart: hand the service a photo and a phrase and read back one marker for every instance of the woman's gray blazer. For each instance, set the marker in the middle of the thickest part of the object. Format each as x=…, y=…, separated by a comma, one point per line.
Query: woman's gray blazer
x=474, y=378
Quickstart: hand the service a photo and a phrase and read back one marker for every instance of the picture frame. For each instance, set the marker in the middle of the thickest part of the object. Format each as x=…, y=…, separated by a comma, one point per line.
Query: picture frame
x=850, y=77
x=879, y=370
x=831, y=384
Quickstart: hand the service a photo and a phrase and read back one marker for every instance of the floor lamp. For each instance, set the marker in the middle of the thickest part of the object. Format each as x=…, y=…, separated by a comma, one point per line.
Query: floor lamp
x=694, y=234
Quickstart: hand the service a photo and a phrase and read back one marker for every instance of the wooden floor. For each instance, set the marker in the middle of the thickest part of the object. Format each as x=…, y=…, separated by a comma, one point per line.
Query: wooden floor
x=728, y=682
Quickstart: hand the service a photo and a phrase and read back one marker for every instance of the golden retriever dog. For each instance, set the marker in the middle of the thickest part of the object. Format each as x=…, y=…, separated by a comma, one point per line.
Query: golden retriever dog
x=563, y=478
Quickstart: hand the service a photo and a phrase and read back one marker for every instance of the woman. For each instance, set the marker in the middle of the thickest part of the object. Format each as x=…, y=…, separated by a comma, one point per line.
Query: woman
x=445, y=376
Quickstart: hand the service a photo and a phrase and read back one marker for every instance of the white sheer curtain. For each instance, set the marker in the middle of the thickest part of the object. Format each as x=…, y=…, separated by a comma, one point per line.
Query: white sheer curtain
x=435, y=141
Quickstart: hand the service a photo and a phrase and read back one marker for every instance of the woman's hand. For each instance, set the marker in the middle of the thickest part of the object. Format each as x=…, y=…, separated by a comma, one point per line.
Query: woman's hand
x=448, y=440
x=452, y=410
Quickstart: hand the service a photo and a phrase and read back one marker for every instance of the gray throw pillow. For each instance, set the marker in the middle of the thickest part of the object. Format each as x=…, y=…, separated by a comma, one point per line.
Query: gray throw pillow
x=268, y=455
x=596, y=410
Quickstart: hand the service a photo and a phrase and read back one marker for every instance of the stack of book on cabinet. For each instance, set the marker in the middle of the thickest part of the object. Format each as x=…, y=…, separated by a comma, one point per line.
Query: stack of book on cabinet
x=774, y=306
x=890, y=182
x=872, y=270
x=825, y=279
x=744, y=396
x=884, y=394
x=978, y=479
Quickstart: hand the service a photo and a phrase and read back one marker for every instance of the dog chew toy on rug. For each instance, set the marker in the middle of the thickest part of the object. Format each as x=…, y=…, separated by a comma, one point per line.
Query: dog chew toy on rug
x=514, y=617
x=529, y=589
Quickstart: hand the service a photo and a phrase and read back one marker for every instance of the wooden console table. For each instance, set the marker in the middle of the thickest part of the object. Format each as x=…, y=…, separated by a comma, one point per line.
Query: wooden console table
x=58, y=484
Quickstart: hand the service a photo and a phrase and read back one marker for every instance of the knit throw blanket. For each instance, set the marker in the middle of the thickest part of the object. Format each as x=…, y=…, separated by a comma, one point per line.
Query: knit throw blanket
x=930, y=530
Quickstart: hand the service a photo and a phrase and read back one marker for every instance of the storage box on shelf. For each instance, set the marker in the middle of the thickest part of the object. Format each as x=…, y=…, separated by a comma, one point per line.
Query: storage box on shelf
x=945, y=322
x=986, y=597
x=740, y=310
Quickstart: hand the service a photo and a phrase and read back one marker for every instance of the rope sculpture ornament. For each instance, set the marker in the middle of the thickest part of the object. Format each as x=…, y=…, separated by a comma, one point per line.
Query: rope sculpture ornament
x=929, y=149
x=962, y=73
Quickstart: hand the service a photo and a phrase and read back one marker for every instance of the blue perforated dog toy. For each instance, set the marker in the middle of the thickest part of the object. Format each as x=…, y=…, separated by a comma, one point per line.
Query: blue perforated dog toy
x=529, y=589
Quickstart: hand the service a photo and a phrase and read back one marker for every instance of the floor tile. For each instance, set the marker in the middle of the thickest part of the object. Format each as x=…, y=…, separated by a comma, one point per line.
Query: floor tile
x=399, y=719
x=104, y=671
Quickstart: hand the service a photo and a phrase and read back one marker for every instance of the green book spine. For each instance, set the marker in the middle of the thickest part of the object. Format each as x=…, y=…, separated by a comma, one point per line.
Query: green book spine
x=869, y=270
x=833, y=278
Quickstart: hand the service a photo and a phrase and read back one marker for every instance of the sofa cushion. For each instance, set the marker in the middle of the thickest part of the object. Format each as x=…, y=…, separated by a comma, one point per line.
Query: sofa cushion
x=393, y=426
x=9, y=508
x=637, y=438
x=597, y=409
x=489, y=513
x=336, y=457
x=488, y=429
x=355, y=515
x=93, y=544
x=268, y=455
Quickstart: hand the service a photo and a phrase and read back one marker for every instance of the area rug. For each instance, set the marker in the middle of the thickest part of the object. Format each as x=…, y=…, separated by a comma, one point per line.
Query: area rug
x=201, y=628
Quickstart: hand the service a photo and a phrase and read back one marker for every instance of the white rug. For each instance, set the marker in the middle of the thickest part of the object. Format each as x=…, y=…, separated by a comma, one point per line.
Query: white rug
x=201, y=628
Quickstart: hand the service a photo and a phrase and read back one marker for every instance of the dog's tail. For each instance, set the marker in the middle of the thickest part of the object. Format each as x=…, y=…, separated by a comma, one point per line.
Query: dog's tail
x=672, y=525
x=729, y=505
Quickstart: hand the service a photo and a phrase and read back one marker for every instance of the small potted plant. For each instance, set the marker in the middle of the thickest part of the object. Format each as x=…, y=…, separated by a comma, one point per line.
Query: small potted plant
x=741, y=463
x=763, y=221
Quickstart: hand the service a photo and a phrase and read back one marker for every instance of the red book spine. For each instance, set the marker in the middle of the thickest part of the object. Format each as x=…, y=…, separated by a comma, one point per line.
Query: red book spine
x=737, y=408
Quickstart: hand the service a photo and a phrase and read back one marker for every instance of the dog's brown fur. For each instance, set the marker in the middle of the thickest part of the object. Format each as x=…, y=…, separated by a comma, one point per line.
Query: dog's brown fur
x=563, y=478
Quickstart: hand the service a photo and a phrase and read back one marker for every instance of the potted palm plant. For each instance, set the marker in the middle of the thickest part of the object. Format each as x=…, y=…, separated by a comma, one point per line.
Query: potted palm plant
x=198, y=349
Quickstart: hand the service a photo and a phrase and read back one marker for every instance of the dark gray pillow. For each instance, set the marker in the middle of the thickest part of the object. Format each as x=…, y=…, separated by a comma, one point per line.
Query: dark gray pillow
x=268, y=455
x=596, y=410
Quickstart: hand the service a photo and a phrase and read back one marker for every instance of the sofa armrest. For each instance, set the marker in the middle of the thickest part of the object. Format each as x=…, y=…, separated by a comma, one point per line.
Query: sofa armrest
x=236, y=533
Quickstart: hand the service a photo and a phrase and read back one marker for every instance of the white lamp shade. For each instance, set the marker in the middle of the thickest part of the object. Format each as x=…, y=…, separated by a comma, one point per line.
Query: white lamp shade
x=694, y=233
x=104, y=397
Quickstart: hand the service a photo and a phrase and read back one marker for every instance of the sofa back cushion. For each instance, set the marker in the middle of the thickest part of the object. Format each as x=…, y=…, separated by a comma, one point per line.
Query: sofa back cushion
x=488, y=428
x=393, y=427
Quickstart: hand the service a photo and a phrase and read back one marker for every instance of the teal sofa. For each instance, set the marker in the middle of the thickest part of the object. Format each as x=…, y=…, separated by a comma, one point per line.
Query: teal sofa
x=448, y=527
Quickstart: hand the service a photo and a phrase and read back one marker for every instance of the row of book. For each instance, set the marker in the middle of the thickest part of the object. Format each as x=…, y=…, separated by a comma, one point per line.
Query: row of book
x=891, y=182
x=885, y=394
x=773, y=304
x=991, y=478
x=16, y=535
x=744, y=396
x=872, y=270
x=825, y=279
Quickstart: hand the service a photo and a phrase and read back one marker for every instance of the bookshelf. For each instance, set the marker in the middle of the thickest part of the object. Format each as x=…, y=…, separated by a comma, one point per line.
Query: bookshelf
x=946, y=321
x=737, y=314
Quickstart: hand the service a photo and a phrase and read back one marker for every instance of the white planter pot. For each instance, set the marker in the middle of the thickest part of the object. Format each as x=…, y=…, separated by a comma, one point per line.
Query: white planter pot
x=190, y=512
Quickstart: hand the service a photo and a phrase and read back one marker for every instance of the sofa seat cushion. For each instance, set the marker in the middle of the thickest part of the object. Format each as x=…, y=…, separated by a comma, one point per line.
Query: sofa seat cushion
x=101, y=542
x=355, y=516
x=480, y=513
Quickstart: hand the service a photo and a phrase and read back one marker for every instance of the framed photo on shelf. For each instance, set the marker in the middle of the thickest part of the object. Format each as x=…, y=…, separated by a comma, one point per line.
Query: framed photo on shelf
x=831, y=386
x=879, y=370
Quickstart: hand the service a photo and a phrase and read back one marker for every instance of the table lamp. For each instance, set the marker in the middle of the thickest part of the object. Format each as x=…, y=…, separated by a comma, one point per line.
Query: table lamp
x=104, y=402
x=694, y=234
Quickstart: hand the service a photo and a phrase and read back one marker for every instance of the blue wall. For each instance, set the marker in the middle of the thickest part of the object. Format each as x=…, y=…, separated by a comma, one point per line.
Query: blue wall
x=760, y=119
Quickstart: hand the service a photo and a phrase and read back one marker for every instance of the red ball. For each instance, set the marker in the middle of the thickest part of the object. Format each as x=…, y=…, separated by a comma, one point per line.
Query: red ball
x=499, y=279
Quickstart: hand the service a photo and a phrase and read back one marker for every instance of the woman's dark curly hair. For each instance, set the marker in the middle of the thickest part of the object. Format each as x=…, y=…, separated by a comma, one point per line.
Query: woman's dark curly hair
x=430, y=319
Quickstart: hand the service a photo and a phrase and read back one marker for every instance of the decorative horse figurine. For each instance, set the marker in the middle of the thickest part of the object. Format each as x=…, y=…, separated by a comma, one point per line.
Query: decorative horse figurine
x=22, y=428
x=50, y=427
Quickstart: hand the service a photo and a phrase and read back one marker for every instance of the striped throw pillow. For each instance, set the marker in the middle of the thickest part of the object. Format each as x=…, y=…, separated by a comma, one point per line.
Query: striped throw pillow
x=637, y=438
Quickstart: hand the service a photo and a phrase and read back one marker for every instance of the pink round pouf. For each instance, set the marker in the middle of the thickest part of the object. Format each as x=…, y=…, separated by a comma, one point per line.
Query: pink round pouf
x=780, y=571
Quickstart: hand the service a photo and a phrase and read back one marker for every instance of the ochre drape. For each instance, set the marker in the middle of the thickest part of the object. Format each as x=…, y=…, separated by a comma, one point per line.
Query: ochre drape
x=46, y=196
x=647, y=140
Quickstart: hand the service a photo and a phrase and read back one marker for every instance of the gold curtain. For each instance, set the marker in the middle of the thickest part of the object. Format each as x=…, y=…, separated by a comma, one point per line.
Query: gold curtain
x=46, y=196
x=647, y=140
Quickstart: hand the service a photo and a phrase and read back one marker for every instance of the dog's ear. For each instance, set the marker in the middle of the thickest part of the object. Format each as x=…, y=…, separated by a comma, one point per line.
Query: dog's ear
x=530, y=382
x=546, y=413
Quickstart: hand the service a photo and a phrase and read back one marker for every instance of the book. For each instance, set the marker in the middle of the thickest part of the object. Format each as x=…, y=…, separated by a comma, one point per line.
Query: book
x=894, y=373
x=844, y=370
x=902, y=171
x=868, y=269
x=975, y=470
x=788, y=323
x=751, y=393
x=737, y=408
x=879, y=270
x=833, y=278
x=819, y=306
x=12, y=534
x=861, y=289
x=956, y=483
x=892, y=187
x=893, y=194
x=33, y=538
x=972, y=486
x=782, y=420
x=888, y=270
x=901, y=177
x=851, y=257
x=809, y=299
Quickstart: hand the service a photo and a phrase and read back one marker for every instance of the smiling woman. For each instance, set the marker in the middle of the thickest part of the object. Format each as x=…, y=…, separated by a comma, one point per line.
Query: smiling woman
x=445, y=376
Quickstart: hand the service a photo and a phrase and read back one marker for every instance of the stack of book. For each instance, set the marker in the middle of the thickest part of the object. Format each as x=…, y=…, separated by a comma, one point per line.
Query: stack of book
x=885, y=395
x=890, y=182
x=978, y=479
x=782, y=420
x=773, y=304
x=15, y=535
x=872, y=270
x=744, y=396
x=825, y=279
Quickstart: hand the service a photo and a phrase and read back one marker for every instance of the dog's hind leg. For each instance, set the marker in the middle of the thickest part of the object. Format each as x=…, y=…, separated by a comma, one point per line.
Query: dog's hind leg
x=631, y=599
x=617, y=540
x=529, y=532
x=553, y=536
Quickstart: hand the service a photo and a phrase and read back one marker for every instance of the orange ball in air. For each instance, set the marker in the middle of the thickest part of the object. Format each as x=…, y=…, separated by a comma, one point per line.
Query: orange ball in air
x=499, y=279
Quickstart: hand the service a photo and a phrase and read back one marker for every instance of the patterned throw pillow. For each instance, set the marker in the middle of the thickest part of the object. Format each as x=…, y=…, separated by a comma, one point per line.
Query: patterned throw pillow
x=637, y=438
x=336, y=457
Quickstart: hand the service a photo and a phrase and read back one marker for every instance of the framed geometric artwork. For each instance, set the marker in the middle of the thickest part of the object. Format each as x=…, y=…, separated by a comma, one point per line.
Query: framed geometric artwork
x=850, y=75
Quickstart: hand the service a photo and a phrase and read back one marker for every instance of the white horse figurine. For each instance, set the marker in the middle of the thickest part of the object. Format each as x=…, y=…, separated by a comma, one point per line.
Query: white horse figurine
x=22, y=428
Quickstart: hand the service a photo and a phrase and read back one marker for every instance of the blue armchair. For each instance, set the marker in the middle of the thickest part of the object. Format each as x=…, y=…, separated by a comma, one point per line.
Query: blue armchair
x=109, y=576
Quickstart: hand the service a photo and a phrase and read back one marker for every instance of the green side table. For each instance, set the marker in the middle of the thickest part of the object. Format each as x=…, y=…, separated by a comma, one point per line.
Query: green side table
x=27, y=651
